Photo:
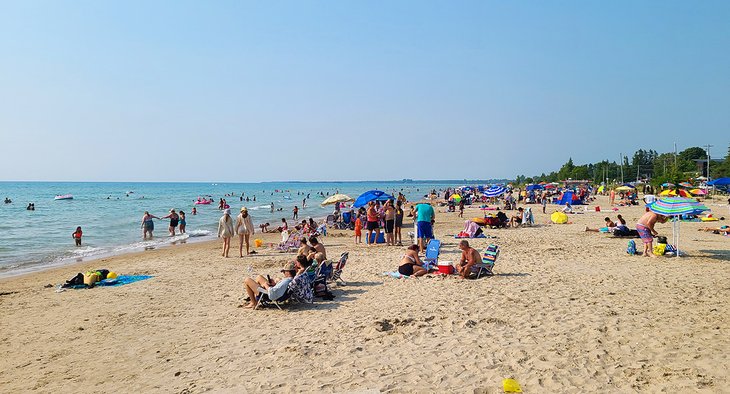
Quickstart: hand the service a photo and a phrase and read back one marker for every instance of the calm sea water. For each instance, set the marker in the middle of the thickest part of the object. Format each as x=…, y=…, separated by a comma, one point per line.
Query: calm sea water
x=110, y=214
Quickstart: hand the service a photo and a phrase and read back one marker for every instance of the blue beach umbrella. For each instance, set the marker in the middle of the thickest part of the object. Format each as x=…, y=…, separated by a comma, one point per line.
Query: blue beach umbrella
x=371, y=195
x=676, y=206
x=495, y=191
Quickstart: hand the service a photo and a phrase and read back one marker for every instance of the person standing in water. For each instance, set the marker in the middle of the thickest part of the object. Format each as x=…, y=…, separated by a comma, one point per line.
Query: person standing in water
x=174, y=219
x=183, y=223
x=296, y=212
x=77, y=236
x=147, y=224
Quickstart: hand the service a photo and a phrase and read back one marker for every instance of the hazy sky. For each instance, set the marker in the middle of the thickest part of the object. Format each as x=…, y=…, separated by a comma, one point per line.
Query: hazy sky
x=345, y=90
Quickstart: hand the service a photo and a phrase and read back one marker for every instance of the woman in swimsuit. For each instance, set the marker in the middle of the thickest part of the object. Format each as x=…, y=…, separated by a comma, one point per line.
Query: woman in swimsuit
x=183, y=223
x=244, y=229
x=411, y=264
x=389, y=214
x=174, y=219
x=147, y=224
x=398, y=222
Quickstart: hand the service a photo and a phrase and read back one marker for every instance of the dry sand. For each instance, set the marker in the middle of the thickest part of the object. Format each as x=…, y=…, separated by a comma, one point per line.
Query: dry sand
x=567, y=311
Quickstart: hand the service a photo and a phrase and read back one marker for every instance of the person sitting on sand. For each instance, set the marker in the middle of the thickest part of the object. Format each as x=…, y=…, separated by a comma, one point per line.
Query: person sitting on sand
x=264, y=227
x=610, y=227
x=645, y=228
x=411, y=264
x=304, y=248
x=301, y=287
x=273, y=289
x=469, y=257
x=568, y=208
x=621, y=224
x=516, y=219
x=316, y=247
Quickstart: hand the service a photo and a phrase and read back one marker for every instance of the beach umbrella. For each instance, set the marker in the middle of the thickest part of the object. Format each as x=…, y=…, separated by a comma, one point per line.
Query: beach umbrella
x=673, y=193
x=698, y=192
x=495, y=191
x=624, y=189
x=455, y=197
x=675, y=207
x=559, y=217
x=667, y=184
x=685, y=184
x=336, y=199
x=371, y=195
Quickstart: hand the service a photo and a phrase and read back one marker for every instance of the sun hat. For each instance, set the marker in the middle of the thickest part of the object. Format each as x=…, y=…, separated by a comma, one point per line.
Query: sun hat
x=172, y=210
x=227, y=211
x=289, y=267
x=244, y=209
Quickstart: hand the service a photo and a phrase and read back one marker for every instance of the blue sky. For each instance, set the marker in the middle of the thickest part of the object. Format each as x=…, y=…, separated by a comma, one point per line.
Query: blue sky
x=343, y=90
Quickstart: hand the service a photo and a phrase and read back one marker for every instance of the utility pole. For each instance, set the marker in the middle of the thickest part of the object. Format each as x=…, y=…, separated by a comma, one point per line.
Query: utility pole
x=675, y=155
x=621, y=160
x=707, y=147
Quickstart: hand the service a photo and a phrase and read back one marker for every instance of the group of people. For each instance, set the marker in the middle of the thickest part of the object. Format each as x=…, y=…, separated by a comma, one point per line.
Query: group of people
x=176, y=219
x=389, y=216
x=243, y=227
x=412, y=265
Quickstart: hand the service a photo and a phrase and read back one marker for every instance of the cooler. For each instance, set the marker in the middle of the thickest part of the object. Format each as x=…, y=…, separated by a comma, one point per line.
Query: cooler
x=445, y=267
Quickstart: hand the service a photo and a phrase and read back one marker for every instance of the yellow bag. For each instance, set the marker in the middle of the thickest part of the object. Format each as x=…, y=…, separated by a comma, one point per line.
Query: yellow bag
x=90, y=278
x=258, y=242
x=659, y=249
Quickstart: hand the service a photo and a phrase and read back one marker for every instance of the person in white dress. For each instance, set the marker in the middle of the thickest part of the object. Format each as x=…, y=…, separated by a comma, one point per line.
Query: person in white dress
x=244, y=229
x=225, y=230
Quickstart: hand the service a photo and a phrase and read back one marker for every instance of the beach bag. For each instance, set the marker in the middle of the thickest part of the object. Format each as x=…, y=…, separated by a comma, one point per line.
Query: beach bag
x=631, y=248
x=90, y=278
x=659, y=249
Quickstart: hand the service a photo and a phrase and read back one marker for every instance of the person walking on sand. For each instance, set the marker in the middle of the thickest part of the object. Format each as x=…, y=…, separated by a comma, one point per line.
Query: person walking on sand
x=612, y=197
x=244, y=229
x=461, y=208
x=174, y=219
x=147, y=224
x=645, y=228
x=225, y=230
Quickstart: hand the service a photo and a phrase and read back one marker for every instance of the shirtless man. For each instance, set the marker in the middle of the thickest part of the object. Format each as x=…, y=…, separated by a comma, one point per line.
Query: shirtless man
x=645, y=228
x=469, y=257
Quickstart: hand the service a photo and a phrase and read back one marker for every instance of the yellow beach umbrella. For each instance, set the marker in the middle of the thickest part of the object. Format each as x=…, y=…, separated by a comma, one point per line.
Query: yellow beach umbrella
x=559, y=218
x=455, y=197
x=336, y=199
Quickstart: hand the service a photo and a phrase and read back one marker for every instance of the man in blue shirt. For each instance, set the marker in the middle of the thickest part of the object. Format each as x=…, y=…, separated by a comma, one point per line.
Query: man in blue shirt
x=272, y=288
x=425, y=217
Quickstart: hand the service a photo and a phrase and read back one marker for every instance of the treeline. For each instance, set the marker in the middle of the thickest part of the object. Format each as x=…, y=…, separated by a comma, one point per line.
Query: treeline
x=658, y=168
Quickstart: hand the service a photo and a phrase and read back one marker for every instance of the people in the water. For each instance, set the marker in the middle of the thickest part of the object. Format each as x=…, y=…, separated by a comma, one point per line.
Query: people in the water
x=76, y=235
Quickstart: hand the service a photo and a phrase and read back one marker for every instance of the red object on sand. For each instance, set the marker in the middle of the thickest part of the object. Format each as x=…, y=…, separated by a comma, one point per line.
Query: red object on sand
x=446, y=269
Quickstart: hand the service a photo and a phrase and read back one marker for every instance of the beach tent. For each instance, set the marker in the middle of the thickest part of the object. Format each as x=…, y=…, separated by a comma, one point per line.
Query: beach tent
x=371, y=195
x=675, y=207
x=569, y=197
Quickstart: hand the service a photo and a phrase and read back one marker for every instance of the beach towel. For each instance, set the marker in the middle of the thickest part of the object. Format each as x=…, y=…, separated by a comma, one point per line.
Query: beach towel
x=123, y=280
x=396, y=275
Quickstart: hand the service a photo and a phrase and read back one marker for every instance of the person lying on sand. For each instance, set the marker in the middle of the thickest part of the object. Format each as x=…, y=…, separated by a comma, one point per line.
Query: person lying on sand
x=273, y=289
x=469, y=257
x=610, y=227
x=724, y=230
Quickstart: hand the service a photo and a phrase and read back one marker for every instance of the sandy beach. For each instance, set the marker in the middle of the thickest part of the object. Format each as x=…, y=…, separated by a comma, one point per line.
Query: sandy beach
x=567, y=311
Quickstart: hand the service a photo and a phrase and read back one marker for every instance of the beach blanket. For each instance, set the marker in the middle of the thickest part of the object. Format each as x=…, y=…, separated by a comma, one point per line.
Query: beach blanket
x=460, y=235
x=396, y=275
x=123, y=280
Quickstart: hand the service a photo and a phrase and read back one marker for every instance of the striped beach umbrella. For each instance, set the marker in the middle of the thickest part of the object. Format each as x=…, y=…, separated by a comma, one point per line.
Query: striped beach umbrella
x=676, y=206
x=495, y=191
x=674, y=193
x=685, y=184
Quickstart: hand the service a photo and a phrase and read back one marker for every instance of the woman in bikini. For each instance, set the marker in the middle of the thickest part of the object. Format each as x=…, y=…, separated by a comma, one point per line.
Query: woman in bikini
x=411, y=264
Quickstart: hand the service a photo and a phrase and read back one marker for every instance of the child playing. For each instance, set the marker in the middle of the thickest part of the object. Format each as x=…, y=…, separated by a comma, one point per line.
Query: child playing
x=358, y=230
x=77, y=236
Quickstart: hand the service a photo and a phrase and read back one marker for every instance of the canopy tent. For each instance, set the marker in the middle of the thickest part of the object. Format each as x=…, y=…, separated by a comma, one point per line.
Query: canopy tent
x=719, y=182
x=371, y=195
x=675, y=207
x=530, y=188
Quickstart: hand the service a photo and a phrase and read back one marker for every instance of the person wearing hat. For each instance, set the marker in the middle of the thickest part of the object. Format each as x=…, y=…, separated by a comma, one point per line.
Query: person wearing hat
x=244, y=229
x=273, y=289
x=174, y=219
x=225, y=230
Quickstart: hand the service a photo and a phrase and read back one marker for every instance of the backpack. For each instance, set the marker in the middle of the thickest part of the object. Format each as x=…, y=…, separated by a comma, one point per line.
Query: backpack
x=631, y=249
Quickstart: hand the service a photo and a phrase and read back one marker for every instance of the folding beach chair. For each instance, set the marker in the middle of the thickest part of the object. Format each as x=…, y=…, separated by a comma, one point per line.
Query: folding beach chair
x=263, y=300
x=488, y=259
x=337, y=271
x=330, y=220
x=291, y=243
x=432, y=254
